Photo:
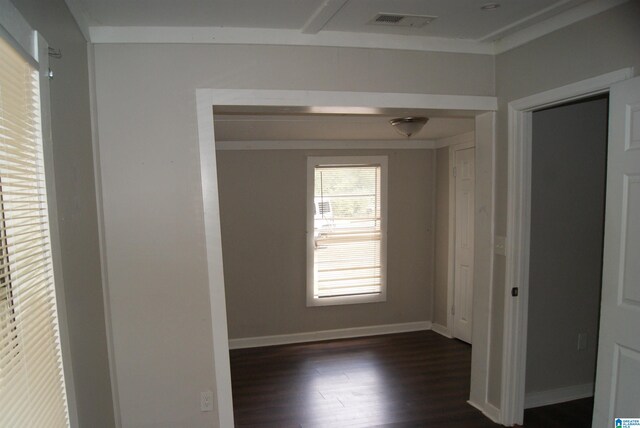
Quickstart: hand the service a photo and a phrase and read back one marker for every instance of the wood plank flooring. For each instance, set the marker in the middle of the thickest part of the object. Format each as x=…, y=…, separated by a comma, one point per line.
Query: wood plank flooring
x=413, y=380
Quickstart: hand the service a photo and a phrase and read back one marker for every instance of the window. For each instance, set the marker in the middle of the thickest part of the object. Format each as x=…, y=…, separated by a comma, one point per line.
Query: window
x=346, y=230
x=32, y=389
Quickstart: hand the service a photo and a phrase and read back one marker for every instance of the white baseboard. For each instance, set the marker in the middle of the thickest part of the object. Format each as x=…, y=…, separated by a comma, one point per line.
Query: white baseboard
x=440, y=329
x=343, y=333
x=488, y=409
x=559, y=395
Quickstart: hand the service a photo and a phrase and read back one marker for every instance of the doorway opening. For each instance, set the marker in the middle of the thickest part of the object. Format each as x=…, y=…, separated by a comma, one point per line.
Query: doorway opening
x=482, y=109
x=568, y=176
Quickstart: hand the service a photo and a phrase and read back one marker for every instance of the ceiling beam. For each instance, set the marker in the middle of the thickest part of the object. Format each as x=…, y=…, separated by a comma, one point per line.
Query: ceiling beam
x=322, y=16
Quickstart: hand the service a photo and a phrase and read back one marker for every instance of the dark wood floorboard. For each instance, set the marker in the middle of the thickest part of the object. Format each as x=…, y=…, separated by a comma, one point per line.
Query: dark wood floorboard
x=407, y=380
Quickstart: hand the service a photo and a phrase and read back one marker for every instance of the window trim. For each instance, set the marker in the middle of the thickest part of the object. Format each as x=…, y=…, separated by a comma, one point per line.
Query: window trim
x=312, y=163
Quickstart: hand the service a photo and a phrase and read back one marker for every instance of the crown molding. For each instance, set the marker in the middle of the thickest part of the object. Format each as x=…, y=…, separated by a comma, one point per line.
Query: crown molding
x=265, y=36
x=498, y=42
x=554, y=23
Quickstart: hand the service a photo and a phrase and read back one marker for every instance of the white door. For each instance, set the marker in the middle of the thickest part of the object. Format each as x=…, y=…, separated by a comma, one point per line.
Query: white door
x=617, y=393
x=464, y=176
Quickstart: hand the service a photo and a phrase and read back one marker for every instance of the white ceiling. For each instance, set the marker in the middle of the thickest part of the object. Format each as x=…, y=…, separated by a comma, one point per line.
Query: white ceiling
x=235, y=127
x=326, y=22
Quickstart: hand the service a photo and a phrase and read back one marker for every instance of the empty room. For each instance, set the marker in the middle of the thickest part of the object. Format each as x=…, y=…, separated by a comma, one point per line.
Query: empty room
x=323, y=213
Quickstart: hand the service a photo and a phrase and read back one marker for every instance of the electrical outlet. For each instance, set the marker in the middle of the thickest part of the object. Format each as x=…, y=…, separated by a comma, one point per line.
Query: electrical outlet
x=582, y=341
x=206, y=401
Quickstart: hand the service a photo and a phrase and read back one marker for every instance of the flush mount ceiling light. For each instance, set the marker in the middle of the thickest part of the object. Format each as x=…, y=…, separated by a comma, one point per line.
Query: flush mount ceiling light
x=490, y=6
x=408, y=126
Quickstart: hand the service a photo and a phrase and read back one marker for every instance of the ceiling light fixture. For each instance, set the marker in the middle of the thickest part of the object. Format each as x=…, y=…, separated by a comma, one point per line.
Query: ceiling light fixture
x=490, y=6
x=408, y=126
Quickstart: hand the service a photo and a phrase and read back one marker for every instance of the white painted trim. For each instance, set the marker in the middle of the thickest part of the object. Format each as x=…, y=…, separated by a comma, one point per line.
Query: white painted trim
x=20, y=33
x=441, y=330
x=54, y=232
x=205, y=99
x=213, y=241
x=497, y=42
x=464, y=141
x=554, y=23
x=270, y=36
x=322, y=15
x=342, y=333
x=518, y=231
x=455, y=139
x=80, y=15
x=372, y=101
x=405, y=144
x=483, y=247
x=97, y=171
x=488, y=409
x=558, y=395
x=580, y=89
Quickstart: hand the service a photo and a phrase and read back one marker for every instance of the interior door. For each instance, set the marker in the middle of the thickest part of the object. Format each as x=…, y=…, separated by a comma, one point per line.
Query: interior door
x=617, y=393
x=464, y=173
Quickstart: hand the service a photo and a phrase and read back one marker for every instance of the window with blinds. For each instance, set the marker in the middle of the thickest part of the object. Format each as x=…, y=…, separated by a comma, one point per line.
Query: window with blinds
x=347, y=217
x=32, y=390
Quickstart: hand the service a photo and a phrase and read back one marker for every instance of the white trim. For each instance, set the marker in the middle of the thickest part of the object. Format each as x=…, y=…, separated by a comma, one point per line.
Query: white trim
x=13, y=24
x=497, y=42
x=455, y=139
x=465, y=141
x=518, y=230
x=54, y=232
x=97, y=171
x=488, y=409
x=405, y=144
x=312, y=163
x=213, y=241
x=80, y=15
x=322, y=15
x=484, y=259
x=441, y=330
x=554, y=23
x=270, y=36
x=205, y=99
x=558, y=395
x=342, y=333
x=367, y=101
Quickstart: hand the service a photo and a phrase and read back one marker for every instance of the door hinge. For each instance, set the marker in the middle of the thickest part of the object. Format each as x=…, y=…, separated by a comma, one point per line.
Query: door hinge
x=454, y=171
x=453, y=310
x=514, y=291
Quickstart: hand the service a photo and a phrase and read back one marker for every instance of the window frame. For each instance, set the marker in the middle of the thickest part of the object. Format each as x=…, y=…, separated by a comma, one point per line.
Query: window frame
x=312, y=163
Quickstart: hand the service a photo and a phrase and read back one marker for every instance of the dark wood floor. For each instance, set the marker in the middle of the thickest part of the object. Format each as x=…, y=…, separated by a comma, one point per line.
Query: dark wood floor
x=415, y=380
x=403, y=380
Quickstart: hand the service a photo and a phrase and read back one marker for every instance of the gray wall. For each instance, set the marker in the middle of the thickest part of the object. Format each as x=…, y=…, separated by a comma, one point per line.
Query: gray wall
x=263, y=220
x=441, y=238
x=567, y=220
x=152, y=199
x=77, y=215
x=605, y=42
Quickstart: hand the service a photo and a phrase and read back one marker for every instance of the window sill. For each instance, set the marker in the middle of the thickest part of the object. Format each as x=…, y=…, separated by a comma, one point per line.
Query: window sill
x=346, y=300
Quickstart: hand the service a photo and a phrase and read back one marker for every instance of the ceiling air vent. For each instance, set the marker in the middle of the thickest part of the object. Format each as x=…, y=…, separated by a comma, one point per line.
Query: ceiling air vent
x=398, y=20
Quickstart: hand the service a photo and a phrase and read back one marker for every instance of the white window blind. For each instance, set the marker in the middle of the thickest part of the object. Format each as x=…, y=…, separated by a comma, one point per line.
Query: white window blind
x=348, y=256
x=32, y=390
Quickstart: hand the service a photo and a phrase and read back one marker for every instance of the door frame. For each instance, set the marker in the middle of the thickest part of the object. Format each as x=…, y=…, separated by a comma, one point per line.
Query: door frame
x=469, y=143
x=518, y=231
x=206, y=99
